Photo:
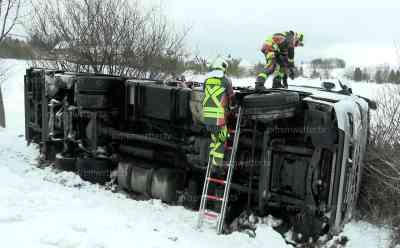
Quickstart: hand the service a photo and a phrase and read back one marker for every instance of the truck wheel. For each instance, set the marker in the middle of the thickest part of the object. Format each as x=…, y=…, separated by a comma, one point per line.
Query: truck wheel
x=65, y=163
x=94, y=170
x=272, y=100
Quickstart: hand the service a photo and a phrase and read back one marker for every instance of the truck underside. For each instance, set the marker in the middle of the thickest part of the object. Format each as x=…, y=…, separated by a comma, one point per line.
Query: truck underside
x=150, y=138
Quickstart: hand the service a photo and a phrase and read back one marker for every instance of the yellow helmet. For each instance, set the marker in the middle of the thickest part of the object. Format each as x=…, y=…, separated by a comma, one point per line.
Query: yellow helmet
x=219, y=64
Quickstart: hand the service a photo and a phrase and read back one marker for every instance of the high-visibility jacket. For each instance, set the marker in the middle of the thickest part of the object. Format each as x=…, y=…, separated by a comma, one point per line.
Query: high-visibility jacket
x=217, y=94
x=280, y=45
x=279, y=54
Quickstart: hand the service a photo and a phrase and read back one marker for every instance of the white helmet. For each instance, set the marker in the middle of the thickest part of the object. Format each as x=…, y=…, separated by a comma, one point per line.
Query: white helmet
x=219, y=64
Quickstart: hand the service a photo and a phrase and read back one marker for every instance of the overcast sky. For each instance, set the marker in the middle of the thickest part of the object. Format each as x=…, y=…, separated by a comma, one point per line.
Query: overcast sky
x=360, y=32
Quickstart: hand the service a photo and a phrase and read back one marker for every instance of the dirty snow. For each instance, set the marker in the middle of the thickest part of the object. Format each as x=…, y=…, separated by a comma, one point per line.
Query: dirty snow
x=40, y=208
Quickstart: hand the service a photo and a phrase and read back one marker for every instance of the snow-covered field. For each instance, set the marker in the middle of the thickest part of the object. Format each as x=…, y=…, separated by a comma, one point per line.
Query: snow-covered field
x=39, y=208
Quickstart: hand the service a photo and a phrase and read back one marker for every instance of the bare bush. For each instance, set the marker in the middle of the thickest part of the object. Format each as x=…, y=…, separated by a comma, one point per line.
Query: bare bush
x=9, y=18
x=106, y=36
x=323, y=67
x=197, y=64
x=380, y=191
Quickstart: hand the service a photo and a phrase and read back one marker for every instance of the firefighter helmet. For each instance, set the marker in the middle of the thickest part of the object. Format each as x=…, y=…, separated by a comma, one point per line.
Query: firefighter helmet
x=219, y=64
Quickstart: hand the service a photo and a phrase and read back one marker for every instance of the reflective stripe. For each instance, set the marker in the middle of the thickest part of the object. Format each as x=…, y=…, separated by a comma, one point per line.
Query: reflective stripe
x=217, y=154
x=213, y=81
x=212, y=115
x=279, y=71
x=263, y=75
x=216, y=100
x=214, y=147
x=223, y=134
x=218, y=138
x=209, y=92
x=213, y=90
x=213, y=110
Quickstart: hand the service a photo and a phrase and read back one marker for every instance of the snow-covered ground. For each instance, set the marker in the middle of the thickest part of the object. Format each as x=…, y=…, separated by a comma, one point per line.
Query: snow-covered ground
x=40, y=208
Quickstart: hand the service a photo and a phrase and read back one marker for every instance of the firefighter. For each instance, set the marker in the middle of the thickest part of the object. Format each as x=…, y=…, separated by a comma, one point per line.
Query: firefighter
x=218, y=98
x=279, y=55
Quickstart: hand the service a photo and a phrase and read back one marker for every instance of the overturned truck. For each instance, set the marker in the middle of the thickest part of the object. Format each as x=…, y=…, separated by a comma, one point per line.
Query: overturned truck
x=299, y=156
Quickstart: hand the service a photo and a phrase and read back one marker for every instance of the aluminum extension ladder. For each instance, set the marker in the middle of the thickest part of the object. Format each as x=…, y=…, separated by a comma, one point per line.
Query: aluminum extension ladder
x=205, y=213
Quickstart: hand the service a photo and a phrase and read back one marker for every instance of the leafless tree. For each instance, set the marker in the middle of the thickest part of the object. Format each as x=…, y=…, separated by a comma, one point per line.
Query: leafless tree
x=9, y=18
x=106, y=36
x=380, y=191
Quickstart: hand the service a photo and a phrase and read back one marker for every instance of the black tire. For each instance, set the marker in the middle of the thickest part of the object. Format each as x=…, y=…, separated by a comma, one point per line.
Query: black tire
x=65, y=163
x=272, y=100
x=97, y=83
x=94, y=170
x=87, y=101
x=164, y=185
x=271, y=106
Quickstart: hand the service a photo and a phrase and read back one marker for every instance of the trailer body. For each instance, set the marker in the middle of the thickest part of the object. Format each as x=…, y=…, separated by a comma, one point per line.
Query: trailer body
x=300, y=153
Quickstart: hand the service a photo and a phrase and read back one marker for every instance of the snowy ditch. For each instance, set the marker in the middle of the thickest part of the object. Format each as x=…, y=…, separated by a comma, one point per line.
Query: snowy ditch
x=42, y=208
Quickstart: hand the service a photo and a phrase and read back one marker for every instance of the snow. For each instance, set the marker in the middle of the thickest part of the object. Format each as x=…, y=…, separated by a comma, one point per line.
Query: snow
x=365, y=235
x=369, y=90
x=43, y=208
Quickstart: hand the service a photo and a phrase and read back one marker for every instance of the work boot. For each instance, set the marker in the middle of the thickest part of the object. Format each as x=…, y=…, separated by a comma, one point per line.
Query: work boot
x=260, y=87
x=260, y=81
x=284, y=82
x=277, y=83
x=218, y=171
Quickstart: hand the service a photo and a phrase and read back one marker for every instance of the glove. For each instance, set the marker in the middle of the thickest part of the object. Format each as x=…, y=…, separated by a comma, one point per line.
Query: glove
x=233, y=108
